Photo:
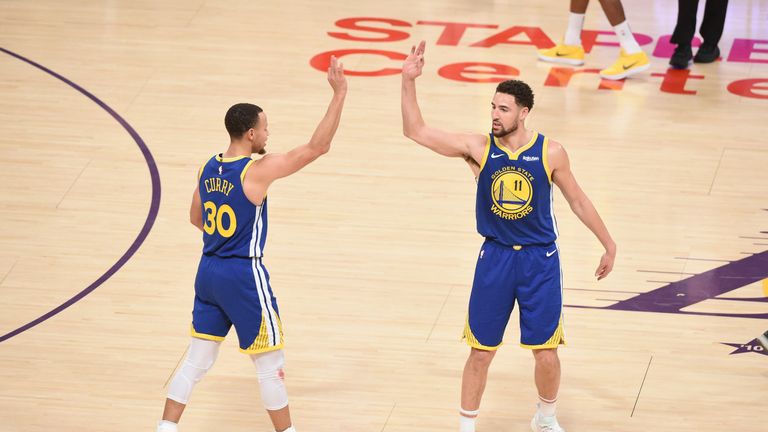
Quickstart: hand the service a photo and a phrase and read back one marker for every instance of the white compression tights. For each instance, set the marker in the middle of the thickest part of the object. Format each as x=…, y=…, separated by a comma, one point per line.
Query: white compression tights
x=270, y=372
x=201, y=356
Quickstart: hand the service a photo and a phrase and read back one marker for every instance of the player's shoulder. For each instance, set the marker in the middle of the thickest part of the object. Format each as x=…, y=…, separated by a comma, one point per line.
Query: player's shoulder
x=555, y=150
x=554, y=145
x=205, y=165
x=207, y=161
x=477, y=144
x=256, y=161
x=556, y=155
x=480, y=139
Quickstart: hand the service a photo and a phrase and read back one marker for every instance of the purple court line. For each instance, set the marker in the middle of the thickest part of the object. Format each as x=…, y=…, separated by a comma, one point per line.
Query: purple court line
x=666, y=272
x=702, y=259
x=151, y=215
x=603, y=291
x=676, y=296
x=747, y=299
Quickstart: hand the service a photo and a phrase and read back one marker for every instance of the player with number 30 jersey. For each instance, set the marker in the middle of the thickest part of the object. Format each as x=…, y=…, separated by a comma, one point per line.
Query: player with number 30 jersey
x=229, y=205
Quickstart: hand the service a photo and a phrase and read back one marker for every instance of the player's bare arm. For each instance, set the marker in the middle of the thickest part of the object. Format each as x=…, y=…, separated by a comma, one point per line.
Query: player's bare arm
x=581, y=205
x=445, y=143
x=274, y=166
x=473, y=166
x=195, y=215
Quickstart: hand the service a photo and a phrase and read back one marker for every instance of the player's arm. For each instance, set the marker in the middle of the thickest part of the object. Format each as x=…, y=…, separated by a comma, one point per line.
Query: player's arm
x=581, y=205
x=274, y=166
x=195, y=212
x=473, y=166
x=445, y=143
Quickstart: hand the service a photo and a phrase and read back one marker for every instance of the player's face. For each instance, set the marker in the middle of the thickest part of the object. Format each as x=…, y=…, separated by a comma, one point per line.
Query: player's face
x=506, y=115
x=259, y=135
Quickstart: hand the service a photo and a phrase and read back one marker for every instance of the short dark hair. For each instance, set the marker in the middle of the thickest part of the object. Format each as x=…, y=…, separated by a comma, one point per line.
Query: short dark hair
x=520, y=90
x=241, y=117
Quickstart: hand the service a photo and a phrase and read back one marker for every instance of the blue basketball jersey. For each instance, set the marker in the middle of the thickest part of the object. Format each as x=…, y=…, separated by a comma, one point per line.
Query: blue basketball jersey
x=514, y=194
x=233, y=225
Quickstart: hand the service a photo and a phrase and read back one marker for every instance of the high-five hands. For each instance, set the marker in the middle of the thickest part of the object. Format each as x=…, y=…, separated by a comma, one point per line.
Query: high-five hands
x=414, y=63
x=336, y=77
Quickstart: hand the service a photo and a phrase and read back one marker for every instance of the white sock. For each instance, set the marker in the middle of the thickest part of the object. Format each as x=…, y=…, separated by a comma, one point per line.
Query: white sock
x=575, y=24
x=626, y=38
x=166, y=426
x=546, y=407
x=290, y=429
x=467, y=424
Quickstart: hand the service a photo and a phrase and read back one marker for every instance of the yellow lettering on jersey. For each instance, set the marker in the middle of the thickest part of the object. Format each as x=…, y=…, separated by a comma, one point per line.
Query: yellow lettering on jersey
x=516, y=169
x=512, y=216
x=214, y=221
x=218, y=185
x=209, y=209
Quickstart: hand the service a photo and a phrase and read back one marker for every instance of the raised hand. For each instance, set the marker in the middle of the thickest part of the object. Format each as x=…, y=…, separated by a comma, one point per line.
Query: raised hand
x=414, y=63
x=336, y=77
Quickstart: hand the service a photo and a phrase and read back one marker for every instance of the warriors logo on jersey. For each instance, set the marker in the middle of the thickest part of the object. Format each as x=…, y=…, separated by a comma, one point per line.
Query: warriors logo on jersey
x=511, y=192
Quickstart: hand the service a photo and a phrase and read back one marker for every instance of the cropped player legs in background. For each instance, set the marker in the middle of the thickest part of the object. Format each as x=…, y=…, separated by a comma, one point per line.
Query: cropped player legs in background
x=632, y=59
x=711, y=30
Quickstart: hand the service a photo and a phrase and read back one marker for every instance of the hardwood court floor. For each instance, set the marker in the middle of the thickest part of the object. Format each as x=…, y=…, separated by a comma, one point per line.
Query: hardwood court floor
x=372, y=248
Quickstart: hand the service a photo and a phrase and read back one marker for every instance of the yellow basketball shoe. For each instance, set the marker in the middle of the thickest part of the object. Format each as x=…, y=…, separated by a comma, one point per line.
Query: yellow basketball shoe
x=626, y=65
x=566, y=54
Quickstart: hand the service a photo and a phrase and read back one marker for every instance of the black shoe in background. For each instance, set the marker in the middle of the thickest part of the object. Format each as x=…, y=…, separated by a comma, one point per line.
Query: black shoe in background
x=681, y=57
x=707, y=53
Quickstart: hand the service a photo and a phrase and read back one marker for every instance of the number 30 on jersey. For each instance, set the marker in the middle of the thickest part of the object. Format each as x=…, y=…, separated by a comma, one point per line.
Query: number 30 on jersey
x=214, y=220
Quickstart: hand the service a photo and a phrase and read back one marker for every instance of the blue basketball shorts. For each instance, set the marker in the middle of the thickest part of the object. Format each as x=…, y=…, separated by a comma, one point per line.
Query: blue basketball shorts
x=236, y=291
x=528, y=275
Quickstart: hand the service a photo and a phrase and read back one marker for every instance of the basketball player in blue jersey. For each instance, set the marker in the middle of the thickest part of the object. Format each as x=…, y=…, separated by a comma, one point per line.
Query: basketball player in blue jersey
x=519, y=261
x=232, y=285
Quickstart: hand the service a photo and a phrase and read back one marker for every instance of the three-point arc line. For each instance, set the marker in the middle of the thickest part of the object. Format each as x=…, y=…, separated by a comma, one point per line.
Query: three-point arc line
x=151, y=215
